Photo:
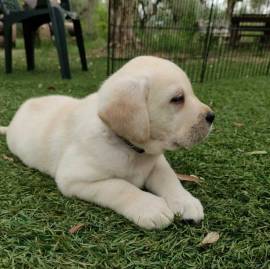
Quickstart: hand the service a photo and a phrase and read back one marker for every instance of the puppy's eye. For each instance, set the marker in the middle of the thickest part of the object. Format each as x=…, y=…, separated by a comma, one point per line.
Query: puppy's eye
x=179, y=99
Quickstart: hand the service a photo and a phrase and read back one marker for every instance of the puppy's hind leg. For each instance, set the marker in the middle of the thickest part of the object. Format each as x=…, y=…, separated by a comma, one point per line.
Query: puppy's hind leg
x=3, y=130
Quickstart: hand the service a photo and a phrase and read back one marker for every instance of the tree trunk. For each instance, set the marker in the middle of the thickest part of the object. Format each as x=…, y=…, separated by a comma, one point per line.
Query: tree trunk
x=230, y=7
x=91, y=7
x=122, y=19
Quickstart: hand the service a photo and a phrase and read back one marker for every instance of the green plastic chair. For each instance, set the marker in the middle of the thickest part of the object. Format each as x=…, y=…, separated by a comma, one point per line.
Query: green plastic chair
x=31, y=19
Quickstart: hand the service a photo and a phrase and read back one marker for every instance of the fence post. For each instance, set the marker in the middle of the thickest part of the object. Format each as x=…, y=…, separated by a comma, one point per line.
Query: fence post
x=268, y=68
x=207, y=42
x=109, y=41
x=111, y=36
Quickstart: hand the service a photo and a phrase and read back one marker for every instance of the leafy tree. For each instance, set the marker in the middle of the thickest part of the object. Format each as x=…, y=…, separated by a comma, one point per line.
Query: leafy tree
x=258, y=3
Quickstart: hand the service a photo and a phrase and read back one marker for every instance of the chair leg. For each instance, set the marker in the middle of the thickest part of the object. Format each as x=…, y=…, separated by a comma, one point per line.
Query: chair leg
x=80, y=43
x=29, y=43
x=8, y=47
x=60, y=41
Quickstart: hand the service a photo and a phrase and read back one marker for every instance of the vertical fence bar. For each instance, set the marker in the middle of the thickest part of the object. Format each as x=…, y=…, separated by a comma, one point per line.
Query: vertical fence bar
x=206, y=44
x=268, y=64
x=114, y=25
x=210, y=43
x=109, y=35
x=268, y=68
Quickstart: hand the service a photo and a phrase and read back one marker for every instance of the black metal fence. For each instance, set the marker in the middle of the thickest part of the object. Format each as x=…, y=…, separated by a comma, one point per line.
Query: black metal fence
x=202, y=37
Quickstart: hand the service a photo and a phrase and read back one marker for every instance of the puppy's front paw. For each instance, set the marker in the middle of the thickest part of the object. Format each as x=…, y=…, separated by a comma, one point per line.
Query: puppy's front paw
x=187, y=206
x=150, y=212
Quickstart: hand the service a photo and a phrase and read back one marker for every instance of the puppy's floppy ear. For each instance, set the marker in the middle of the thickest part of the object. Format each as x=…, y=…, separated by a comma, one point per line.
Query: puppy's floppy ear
x=123, y=107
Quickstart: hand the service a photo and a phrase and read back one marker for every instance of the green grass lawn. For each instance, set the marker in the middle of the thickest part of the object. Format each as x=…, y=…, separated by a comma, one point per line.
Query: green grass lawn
x=35, y=217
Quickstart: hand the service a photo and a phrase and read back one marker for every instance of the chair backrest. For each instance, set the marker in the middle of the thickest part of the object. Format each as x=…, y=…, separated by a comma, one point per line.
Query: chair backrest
x=42, y=3
x=65, y=4
x=7, y=6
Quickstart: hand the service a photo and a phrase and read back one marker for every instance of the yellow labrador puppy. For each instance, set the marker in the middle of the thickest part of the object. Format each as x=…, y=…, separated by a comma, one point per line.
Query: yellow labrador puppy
x=105, y=147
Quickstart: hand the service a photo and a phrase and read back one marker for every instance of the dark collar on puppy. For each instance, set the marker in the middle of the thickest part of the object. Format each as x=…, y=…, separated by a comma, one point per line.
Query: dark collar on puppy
x=135, y=148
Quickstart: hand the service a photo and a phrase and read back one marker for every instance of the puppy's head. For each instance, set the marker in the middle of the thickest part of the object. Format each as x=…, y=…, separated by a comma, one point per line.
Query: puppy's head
x=150, y=102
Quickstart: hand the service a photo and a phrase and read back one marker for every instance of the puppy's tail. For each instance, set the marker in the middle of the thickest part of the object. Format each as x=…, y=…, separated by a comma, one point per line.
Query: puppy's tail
x=3, y=130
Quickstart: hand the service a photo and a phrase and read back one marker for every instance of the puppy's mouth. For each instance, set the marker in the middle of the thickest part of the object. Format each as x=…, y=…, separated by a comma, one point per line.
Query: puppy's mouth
x=195, y=136
x=177, y=146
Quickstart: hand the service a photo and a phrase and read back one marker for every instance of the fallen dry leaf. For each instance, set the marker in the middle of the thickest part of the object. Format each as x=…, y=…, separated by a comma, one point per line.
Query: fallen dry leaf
x=210, y=238
x=257, y=152
x=238, y=124
x=190, y=178
x=51, y=88
x=76, y=228
x=7, y=158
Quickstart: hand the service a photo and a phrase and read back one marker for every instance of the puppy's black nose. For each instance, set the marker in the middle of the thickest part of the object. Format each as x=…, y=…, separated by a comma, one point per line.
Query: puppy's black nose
x=210, y=116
